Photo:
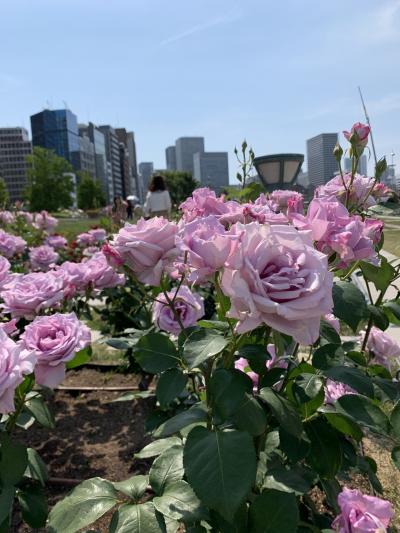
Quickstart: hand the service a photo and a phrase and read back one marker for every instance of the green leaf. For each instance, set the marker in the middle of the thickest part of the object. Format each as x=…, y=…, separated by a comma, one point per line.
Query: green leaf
x=80, y=358
x=167, y=468
x=36, y=468
x=297, y=479
x=257, y=356
x=379, y=319
x=381, y=276
x=294, y=448
x=274, y=511
x=134, y=395
x=323, y=438
x=395, y=419
x=308, y=391
x=170, y=384
x=6, y=503
x=33, y=505
x=353, y=377
x=202, y=345
x=134, y=487
x=363, y=411
x=329, y=333
x=84, y=505
x=357, y=357
x=136, y=519
x=197, y=413
x=157, y=447
x=396, y=456
x=327, y=356
x=214, y=324
x=227, y=389
x=221, y=468
x=283, y=411
x=394, y=309
x=179, y=502
x=13, y=461
x=349, y=303
x=155, y=353
x=121, y=343
x=39, y=410
x=250, y=416
x=345, y=425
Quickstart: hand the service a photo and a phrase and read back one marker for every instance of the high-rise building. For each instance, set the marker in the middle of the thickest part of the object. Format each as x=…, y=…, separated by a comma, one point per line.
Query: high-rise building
x=146, y=169
x=362, y=165
x=56, y=130
x=322, y=164
x=211, y=169
x=170, y=157
x=113, y=156
x=83, y=160
x=185, y=148
x=128, y=161
x=100, y=158
x=14, y=147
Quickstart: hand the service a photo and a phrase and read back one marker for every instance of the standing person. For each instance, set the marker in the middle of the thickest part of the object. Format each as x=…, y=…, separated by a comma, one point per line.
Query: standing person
x=118, y=211
x=158, y=200
x=129, y=209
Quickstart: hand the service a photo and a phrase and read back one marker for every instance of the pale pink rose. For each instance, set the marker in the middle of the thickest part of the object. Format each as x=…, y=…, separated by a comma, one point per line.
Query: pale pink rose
x=373, y=229
x=188, y=306
x=385, y=350
x=99, y=234
x=147, y=247
x=56, y=241
x=274, y=362
x=11, y=245
x=73, y=276
x=242, y=364
x=359, y=132
x=280, y=201
x=85, y=239
x=4, y=271
x=45, y=222
x=230, y=212
x=9, y=327
x=361, y=513
x=99, y=274
x=6, y=217
x=113, y=257
x=28, y=217
x=43, y=257
x=15, y=362
x=332, y=321
x=202, y=203
x=339, y=188
x=29, y=294
x=90, y=251
x=335, y=390
x=262, y=213
x=55, y=339
x=381, y=191
x=208, y=246
x=276, y=277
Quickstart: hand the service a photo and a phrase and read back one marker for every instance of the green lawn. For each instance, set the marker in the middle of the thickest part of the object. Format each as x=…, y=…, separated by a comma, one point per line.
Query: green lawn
x=70, y=228
x=392, y=235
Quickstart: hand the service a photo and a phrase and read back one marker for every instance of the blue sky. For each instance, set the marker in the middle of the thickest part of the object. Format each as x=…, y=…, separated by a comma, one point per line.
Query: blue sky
x=275, y=72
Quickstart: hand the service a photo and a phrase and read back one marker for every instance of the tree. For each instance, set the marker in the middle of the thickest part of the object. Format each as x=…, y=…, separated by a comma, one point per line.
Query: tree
x=89, y=194
x=49, y=186
x=3, y=193
x=180, y=185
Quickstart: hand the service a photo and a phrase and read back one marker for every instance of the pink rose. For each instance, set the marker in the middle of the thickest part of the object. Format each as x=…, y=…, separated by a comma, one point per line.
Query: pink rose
x=27, y=295
x=11, y=245
x=188, y=306
x=359, y=133
x=339, y=188
x=385, y=350
x=276, y=277
x=147, y=247
x=56, y=241
x=4, y=270
x=55, y=339
x=361, y=513
x=85, y=239
x=113, y=257
x=242, y=364
x=9, y=327
x=262, y=213
x=45, y=222
x=335, y=390
x=280, y=201
x=73, y=275
x=6, y=217
x=15, y=362
x=274, y=362
x=99, y=234
x=202, y=203
x=373, y=229
x=99, y=274
x=208, y=246
x=43, y=257
x=28, y=217
x=332, y=321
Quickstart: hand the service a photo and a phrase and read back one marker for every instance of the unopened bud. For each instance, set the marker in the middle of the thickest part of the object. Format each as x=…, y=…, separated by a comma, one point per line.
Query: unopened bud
x=380, y=167
x=338, y=152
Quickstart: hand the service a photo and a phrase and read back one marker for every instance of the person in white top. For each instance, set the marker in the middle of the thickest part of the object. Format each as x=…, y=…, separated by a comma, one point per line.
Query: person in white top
x=158, y=200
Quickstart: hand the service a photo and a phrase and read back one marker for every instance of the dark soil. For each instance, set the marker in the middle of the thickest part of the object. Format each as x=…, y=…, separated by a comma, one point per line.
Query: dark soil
x=93, y=437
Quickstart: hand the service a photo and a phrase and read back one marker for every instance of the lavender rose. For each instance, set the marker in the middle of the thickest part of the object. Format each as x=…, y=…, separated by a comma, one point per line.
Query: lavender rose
x=276, y=277
x=15, y=362
x=45, y=222
x=147, y=247
x=335, y=390
x=99, y=274
x=356, y=189
x=11, y=245
x=4, y=271
x=99, y=234
x=280, y=201
x=188, y=306
x=6, y=217
x=85, y=239
x=43, y=257
x=242, y=364
x=361, y=513
x=27, y=295
x=56, y=241
x=55, y=339
x=384, y=349
x=202, y=203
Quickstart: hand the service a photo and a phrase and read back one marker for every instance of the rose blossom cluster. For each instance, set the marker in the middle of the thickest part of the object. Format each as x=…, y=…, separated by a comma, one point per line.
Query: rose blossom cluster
x=6, y=217
x=188, y=308
x=11, y=245
x=45, y=222
x=92, y=237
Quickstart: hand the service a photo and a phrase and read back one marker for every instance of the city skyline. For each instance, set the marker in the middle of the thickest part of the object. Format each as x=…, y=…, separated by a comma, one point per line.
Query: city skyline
x=170, y=71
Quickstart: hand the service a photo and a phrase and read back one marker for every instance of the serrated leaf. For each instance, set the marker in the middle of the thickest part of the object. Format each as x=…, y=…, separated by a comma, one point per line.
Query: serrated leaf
x=167, y=468
x=349, y=303
x=134, y=487
x=202, y=345
x=283, y=410
x=197, y=413
x=155, y=353
x=39, y=410
x=363, y=411
x=140, y=518
x=179, y=502
x=158, y=447
x=36, y=468
x=170, y=384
